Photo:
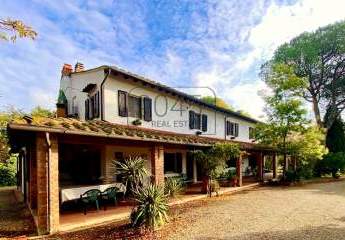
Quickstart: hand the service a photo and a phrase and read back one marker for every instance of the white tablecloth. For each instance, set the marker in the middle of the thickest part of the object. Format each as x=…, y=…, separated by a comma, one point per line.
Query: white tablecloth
x=72, y=193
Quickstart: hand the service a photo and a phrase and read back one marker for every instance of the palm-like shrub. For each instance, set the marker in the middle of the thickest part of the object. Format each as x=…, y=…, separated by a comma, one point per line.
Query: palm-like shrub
x=152, y=207
x=173, y=186
x=132, y=171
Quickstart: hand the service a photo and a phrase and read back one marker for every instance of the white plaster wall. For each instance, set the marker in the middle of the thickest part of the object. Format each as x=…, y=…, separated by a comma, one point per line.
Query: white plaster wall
x=73, y=86
x=164, y=114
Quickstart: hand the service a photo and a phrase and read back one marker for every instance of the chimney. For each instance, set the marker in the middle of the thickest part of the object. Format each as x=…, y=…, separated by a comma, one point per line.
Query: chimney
x=79, y=67
x=61, y=105
x=66, y=69
x=61, y=110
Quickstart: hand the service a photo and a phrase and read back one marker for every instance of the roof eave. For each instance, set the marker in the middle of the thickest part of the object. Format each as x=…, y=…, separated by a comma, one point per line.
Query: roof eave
x=24, y=127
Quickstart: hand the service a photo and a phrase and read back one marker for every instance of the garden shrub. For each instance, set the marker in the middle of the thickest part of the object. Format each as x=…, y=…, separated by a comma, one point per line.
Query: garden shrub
x=290, y=176
x=8, y=173
x=227, y=174
x=305, y=172
x=152, y=207
x=132, y=172
x=332, y=163
x=173, y=186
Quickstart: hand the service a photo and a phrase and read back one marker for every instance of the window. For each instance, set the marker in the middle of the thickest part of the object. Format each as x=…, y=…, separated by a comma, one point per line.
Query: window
x=134, y=106
x=122, y=101
x=204, y=123
x=87, y=109
x=96, y=105
x=74, y=106
x=92, y=107
x=191, y=119
x=232, y=129
x=147, y=109
x=251, y=133
x=172, y=162
x=194, y=120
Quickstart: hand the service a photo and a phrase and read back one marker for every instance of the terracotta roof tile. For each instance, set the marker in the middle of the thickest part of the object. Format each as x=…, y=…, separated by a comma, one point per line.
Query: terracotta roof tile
x=102, y=128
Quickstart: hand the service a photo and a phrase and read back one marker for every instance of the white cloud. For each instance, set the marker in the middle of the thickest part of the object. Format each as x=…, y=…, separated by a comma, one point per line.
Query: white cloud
x=221, y=45
x=245, y=97
x=281, y=23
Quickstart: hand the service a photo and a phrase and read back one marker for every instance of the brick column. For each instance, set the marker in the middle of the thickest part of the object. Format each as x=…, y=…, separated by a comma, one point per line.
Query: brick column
x=54, y=185
x=31, y=157
x=239, y=170
x=47, y=184
x=157, y=164
x=260, y=160
x=274, y=167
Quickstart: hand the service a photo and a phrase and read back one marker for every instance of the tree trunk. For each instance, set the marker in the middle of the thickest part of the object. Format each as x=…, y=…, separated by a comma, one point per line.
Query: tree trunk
x=285, y=165
x=316, y=110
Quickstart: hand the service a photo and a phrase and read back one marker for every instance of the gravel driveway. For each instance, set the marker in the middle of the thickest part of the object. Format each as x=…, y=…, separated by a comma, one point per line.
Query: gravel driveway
x=314, y=211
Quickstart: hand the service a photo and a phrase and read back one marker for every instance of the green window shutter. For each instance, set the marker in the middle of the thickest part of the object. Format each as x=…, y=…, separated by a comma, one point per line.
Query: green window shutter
x=191, y=119
x=122, y=103
x=147, y=109
x=204, y=122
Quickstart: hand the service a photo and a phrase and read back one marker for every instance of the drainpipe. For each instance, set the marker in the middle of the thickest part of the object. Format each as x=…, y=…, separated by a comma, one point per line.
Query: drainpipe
x=225, y=128
x=102, y=93
x=48, y=162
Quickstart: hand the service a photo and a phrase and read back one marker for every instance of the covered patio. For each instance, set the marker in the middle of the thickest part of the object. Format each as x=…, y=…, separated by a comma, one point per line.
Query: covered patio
x=59, y=154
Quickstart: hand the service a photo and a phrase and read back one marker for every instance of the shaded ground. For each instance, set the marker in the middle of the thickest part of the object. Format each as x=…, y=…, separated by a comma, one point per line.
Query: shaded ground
x=15, y=218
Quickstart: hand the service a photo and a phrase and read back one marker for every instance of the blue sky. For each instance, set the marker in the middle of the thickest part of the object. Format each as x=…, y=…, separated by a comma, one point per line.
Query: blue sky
x=182, y=43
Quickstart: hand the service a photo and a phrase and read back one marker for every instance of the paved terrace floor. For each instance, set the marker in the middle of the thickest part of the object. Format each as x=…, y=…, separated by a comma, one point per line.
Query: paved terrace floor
x=313, y=211
x=75, y=219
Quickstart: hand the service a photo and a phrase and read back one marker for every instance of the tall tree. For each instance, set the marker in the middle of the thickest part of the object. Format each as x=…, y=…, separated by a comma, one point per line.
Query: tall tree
x=335, y=139
x=11, y=29
x=217, y=102
x=319, y=58
x=285, y=113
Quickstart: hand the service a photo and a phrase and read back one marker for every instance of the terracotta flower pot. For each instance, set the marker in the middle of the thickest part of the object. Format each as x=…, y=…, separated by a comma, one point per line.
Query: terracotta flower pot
x=234, y=182
x=205, y=183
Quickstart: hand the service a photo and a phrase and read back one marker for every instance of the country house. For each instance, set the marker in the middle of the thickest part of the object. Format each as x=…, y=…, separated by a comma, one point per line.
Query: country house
x=105, y=114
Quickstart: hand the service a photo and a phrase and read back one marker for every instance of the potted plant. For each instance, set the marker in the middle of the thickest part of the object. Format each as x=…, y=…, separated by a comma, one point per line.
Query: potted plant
x=223, y=181
x=136, y=122
x=232, y=178
x=225, y=178
x=213, y=161
x=234, y=181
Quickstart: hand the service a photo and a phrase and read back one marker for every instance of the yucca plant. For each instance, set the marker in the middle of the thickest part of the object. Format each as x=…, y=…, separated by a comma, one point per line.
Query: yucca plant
x=173, y=186
x=133, y=172
x=152, y=207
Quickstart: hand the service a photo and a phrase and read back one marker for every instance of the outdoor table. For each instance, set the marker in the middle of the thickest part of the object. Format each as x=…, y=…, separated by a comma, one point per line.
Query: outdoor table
x=74, y=192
